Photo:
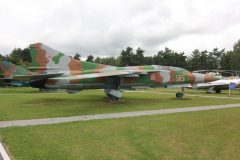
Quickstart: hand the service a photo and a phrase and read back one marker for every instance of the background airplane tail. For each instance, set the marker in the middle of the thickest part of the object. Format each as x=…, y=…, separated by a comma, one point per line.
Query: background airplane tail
x=9, y=70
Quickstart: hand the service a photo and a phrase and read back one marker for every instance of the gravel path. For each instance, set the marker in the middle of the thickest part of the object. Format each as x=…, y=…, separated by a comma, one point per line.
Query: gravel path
x=33, y=122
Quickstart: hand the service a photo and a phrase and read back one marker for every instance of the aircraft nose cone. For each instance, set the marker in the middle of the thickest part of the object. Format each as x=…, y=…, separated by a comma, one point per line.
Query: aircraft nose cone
x=202, y=78
x=210, y=78
x=217, y=78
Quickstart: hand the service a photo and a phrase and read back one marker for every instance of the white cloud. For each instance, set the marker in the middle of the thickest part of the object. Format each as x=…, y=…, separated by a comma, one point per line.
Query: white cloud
x=105, y=27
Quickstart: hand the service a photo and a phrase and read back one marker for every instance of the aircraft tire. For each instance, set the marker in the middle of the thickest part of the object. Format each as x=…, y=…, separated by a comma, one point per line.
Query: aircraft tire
x=112, y=98
x=217, y=90
x=179, y=95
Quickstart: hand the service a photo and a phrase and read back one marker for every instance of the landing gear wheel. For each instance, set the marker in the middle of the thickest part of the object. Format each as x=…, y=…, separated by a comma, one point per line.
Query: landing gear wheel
x=112, y=98
x=179, y=95
x=113, y=95
x=217, y=90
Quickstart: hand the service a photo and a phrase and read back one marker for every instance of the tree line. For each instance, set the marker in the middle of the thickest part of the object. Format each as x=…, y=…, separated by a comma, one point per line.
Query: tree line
x=217, y=59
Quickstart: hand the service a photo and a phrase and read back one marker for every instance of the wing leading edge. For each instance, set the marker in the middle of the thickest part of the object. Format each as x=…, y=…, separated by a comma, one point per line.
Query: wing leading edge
x=120, y=73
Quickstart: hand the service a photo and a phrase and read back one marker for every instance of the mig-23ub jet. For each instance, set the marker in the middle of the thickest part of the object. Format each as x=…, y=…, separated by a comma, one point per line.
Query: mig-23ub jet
x=74, y=75
x=55, y=70
x=219, y=85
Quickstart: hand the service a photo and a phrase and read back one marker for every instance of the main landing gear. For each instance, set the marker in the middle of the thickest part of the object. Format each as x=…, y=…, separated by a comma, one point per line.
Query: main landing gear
x=112, y=88
x=218, y=90
x=113, y=95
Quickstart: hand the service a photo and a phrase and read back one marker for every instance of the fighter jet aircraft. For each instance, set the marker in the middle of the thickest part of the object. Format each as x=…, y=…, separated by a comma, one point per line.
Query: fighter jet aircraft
x=55, y=70
x=219, y=85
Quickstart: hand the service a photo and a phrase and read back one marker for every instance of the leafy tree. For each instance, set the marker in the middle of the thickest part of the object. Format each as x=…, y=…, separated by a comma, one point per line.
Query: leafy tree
x=97, y=60
x=170, y=58
x=139, y=57
x=25, y=57
x=108, y=61
x=225, y=61
x=203, y=59
x=15, y=56
x=198, y=60
x=214, y=58
x=77, y=56
x=235, y=56
x=148, y=60
x=127, y=57
x=1, y=57
x=90, y=58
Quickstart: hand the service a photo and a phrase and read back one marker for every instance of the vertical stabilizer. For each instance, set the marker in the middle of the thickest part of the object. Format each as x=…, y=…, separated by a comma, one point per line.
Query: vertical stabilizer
x=48, y=60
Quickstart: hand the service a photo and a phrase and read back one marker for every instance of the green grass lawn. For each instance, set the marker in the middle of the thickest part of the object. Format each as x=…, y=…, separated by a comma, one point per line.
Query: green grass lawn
x=28, y=103
x=205, y=135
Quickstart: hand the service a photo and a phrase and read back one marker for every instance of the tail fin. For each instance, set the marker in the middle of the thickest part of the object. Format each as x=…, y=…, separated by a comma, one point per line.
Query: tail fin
x=9, y=70
x=48, y=60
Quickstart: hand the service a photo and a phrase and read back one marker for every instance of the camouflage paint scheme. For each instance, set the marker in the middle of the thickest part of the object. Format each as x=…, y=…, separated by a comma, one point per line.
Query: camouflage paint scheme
x=77, y=75
x=51, y=70
x=219, y=85
x=8, y=71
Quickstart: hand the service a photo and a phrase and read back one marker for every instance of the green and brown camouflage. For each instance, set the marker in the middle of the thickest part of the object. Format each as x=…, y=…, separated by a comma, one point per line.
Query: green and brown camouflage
x=55, y=70
x=13, y=75
x=8, y=71
x=74, y=75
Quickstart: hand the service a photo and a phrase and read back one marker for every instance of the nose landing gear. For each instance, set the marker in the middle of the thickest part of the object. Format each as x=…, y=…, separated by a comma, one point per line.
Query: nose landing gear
x=179, y=95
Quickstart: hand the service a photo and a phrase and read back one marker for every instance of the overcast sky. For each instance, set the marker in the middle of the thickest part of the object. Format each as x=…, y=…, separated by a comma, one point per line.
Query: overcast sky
x=105, y=27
